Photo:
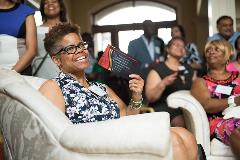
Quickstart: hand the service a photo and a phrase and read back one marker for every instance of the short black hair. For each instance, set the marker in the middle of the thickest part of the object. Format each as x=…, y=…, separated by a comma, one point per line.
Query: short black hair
x=181, y=29
x=223, y=18
x=52, y=40
x=174, y=39
x=147, y=23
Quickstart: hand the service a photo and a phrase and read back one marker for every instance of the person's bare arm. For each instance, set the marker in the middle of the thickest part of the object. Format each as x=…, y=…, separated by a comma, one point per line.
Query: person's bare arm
x=31, y=46
x=194, y=77
x=121, y=104
x=211, y=105
x=196, y=65
x=155, y=85
x=136, y=84
x=51, y=90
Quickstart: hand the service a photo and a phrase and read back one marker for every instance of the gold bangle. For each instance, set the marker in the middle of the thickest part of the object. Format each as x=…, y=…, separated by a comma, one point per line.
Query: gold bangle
x=136, y=104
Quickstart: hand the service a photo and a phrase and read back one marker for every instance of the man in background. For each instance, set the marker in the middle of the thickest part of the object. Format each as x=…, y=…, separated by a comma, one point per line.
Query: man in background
x=148, y=48
x=225, y=30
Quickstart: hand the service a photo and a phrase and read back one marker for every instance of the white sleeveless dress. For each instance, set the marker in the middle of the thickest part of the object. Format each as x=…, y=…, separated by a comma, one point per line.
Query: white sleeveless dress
x=48, y=69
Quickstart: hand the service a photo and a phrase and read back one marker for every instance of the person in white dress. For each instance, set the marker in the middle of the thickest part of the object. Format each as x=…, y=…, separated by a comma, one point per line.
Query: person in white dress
x=53, y=13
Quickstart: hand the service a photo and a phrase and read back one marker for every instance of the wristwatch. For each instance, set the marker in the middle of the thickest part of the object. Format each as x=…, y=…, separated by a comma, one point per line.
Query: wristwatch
x=231, y=102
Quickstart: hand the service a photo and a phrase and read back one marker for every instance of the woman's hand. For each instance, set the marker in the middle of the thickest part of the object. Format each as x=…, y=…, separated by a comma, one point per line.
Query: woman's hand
x=136, y=86
x=168, y=80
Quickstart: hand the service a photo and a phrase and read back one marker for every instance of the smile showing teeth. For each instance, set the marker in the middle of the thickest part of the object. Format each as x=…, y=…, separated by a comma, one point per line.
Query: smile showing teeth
x=81, y=58
x=51, y=8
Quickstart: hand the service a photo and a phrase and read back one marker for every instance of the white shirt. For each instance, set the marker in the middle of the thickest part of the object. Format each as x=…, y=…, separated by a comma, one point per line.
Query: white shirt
x=150, y=46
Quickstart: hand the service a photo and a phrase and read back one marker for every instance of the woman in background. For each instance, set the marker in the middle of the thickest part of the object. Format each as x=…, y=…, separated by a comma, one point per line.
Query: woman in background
x=192, y=55
x=167, y=77
x=218, y=90
x=235, y=64
x=18, y=37
x=53, y=13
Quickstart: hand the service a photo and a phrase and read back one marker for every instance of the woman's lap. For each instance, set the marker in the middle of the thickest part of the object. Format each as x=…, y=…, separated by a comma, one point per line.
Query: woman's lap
x=222, y=128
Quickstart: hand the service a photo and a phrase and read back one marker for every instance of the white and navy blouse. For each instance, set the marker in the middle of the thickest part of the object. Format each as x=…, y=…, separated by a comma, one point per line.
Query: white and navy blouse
x=82, y=104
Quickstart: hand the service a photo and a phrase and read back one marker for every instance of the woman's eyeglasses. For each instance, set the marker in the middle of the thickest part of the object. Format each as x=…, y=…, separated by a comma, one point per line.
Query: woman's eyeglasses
x=213, y=49
x=72, y=49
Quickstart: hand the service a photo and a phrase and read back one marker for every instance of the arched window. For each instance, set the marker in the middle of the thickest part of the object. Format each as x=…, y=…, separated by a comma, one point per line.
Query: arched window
x=120, y=23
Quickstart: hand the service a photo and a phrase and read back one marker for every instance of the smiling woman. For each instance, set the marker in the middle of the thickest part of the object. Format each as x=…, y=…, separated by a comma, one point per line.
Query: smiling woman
x=83, y=101
x=168, y=77
x=92, y=101
x=53, y=12
x=217, y=91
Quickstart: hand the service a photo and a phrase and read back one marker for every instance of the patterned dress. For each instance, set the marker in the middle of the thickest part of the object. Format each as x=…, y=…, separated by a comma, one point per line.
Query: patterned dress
x=222, y=128
x=192, y=55
x=82, y=104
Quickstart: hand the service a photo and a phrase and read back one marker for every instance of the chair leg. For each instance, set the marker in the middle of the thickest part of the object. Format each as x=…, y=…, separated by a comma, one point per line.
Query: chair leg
x=235, y=143
x=201, y=153
x=1, y=147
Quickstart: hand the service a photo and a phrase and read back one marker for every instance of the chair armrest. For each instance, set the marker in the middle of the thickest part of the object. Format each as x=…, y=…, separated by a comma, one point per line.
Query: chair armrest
x=194, y=115
x=34, y=82
x=143, y=133
x=12, y=77
x=146, y=109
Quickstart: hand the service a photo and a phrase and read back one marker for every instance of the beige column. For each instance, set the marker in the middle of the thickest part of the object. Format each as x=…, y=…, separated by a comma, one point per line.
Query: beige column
x=217, y=8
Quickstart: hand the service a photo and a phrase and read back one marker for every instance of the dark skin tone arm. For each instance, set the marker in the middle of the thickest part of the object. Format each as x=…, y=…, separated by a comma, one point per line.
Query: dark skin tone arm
x=211, y=105
x=51, y=90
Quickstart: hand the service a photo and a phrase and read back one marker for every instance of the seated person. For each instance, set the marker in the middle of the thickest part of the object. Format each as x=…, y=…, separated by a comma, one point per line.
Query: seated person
x=83, y=101
x=235, y=64
x=218, y=90
x=192, y=56
x=167, y=77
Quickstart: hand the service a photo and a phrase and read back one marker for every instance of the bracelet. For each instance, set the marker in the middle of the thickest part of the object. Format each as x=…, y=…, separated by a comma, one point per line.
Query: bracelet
x=136, y=104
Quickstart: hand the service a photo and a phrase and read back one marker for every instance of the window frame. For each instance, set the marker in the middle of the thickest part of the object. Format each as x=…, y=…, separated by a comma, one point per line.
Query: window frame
x=114, y=29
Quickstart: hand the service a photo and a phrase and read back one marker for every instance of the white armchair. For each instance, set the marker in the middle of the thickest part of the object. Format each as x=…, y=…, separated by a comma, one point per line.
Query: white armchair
x=34, y=129
x=197, y=122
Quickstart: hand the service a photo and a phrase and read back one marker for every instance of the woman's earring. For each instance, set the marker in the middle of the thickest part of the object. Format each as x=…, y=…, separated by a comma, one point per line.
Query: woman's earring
x=59, y=66
x=227, y=62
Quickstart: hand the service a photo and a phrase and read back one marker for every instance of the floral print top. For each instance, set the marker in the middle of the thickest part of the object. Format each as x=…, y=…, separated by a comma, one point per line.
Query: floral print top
x=233, y=81
x=82, y=104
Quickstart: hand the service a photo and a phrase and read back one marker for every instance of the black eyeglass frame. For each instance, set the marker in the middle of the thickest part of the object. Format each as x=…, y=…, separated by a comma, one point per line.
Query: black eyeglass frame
x=81, y=45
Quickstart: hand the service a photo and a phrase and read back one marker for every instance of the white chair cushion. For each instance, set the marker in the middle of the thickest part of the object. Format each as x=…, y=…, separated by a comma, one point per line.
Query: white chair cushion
x=120, y=132
x=35, y=82
x=220, y=149
x=11, y=77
